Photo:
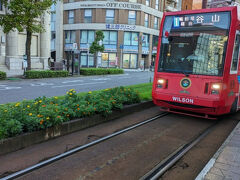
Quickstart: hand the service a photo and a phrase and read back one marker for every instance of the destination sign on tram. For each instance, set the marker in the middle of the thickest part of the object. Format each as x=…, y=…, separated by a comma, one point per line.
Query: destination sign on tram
x=219, y=19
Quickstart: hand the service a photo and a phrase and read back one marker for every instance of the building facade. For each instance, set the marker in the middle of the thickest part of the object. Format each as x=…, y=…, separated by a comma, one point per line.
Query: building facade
x=131, y=30
x=12, y=49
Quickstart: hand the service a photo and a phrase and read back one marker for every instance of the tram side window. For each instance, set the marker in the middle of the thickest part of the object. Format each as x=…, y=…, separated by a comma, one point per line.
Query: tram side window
x=235, y=54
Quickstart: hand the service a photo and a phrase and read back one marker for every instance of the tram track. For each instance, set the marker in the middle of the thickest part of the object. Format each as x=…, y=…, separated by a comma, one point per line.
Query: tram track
x=79, y=148
x=167, y=163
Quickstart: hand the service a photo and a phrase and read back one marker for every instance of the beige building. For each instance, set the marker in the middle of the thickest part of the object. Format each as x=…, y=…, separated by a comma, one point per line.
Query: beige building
x=131, y=30
x=12, y=49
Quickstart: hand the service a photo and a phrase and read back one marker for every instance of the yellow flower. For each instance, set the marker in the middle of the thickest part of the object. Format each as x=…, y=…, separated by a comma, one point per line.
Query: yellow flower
x=38, y=115
x=5, y=110
x=70, y=94
x=17, y=104
x=55, y=97
x=30, y=114
x=28, y=106
x=40, y=101
x=90, y=92
x=47, y=118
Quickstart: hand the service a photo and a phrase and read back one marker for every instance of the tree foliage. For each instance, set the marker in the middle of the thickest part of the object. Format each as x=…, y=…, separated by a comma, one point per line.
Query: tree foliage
x=96, y=47
x=25, y=15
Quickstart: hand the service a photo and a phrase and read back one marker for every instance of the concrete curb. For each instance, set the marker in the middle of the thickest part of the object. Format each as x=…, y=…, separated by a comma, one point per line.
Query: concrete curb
x=28, y=139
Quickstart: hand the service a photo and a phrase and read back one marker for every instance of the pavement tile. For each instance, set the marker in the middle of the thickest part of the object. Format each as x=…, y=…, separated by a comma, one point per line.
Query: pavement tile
x=215, y=170
x=211, y=176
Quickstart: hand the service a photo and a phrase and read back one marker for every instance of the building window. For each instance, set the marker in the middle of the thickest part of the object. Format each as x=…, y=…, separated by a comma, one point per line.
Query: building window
x=70, y=17
x=130, y=61
x=109, y=59
x=70, y=1
x=155, y=23
x=87, y=37
x=132, y=17
x=145, y=40
x=147, y=2
x=87, y=60
x=110, y=16
x=133, y=1
x=110, y=37
x=130, y=38
x=146, y=20
x=88, y=16
x=157, y=4
x=70, y=37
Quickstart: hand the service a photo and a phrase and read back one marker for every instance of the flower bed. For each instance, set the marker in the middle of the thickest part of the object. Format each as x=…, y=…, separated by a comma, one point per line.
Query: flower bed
x=100, y=71
x=3, y=75
x=42, y=113
x=45, y=74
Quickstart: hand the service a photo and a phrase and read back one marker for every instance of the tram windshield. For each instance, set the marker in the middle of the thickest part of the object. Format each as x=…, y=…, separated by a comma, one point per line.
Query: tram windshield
x=194, y=43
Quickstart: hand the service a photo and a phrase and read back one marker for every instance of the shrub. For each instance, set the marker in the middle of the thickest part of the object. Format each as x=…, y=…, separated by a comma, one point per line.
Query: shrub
x=100, y=71
x=45, y=74
x=42, y=113
x=3, y=75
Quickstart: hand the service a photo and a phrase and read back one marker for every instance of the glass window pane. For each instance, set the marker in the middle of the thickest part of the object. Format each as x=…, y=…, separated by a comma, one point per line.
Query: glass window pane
x=147, y=2
x=235, y=54
x=91, y=36
x=84, y=59
x=87, y=12
x=113, y=37
x=112, y=59
x=73, y=37
x=110, y=13
x=156, y=5
x=106, y=37
x=104, y=59
x=134, y=40
x=146, y=20
x=133, y=1
x=83, y=37
x=70, y=14
x=133, y=61
x=132, y=14
x=145, y=40
x=91, y=60
x=67, y=36
x=127, y=38
x=126, y=58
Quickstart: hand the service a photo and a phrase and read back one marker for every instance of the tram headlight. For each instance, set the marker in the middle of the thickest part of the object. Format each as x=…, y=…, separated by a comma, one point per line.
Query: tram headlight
x=161, y=83
x=215, y=88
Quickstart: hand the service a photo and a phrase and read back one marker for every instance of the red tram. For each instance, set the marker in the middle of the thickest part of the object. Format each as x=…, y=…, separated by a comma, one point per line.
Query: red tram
x=196, y=68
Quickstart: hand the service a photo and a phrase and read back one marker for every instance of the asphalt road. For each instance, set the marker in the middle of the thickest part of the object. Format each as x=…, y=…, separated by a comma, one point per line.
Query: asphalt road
x=13, y=91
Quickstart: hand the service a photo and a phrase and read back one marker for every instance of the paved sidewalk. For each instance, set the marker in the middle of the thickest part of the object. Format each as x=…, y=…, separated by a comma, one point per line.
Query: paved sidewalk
x=225, y=164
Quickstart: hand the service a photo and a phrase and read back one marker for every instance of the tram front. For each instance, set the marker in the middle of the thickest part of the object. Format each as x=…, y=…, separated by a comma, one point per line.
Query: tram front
x=190, y=71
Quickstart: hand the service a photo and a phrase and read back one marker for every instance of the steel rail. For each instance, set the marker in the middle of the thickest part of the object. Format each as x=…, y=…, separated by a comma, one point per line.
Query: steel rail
x=77, y=149
x=164, y=165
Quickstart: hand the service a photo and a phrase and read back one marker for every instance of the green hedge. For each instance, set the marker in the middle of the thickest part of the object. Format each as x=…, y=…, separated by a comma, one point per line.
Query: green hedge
x=45, y=74
x=42, y=113
x=100, y=71
x=3, y=75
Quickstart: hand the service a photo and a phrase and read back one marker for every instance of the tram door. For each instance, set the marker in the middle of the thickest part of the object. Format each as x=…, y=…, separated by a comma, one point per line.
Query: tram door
x=235, y=63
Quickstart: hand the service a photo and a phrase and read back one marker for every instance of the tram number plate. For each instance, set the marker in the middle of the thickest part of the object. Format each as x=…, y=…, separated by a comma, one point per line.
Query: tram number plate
x=182, y=100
